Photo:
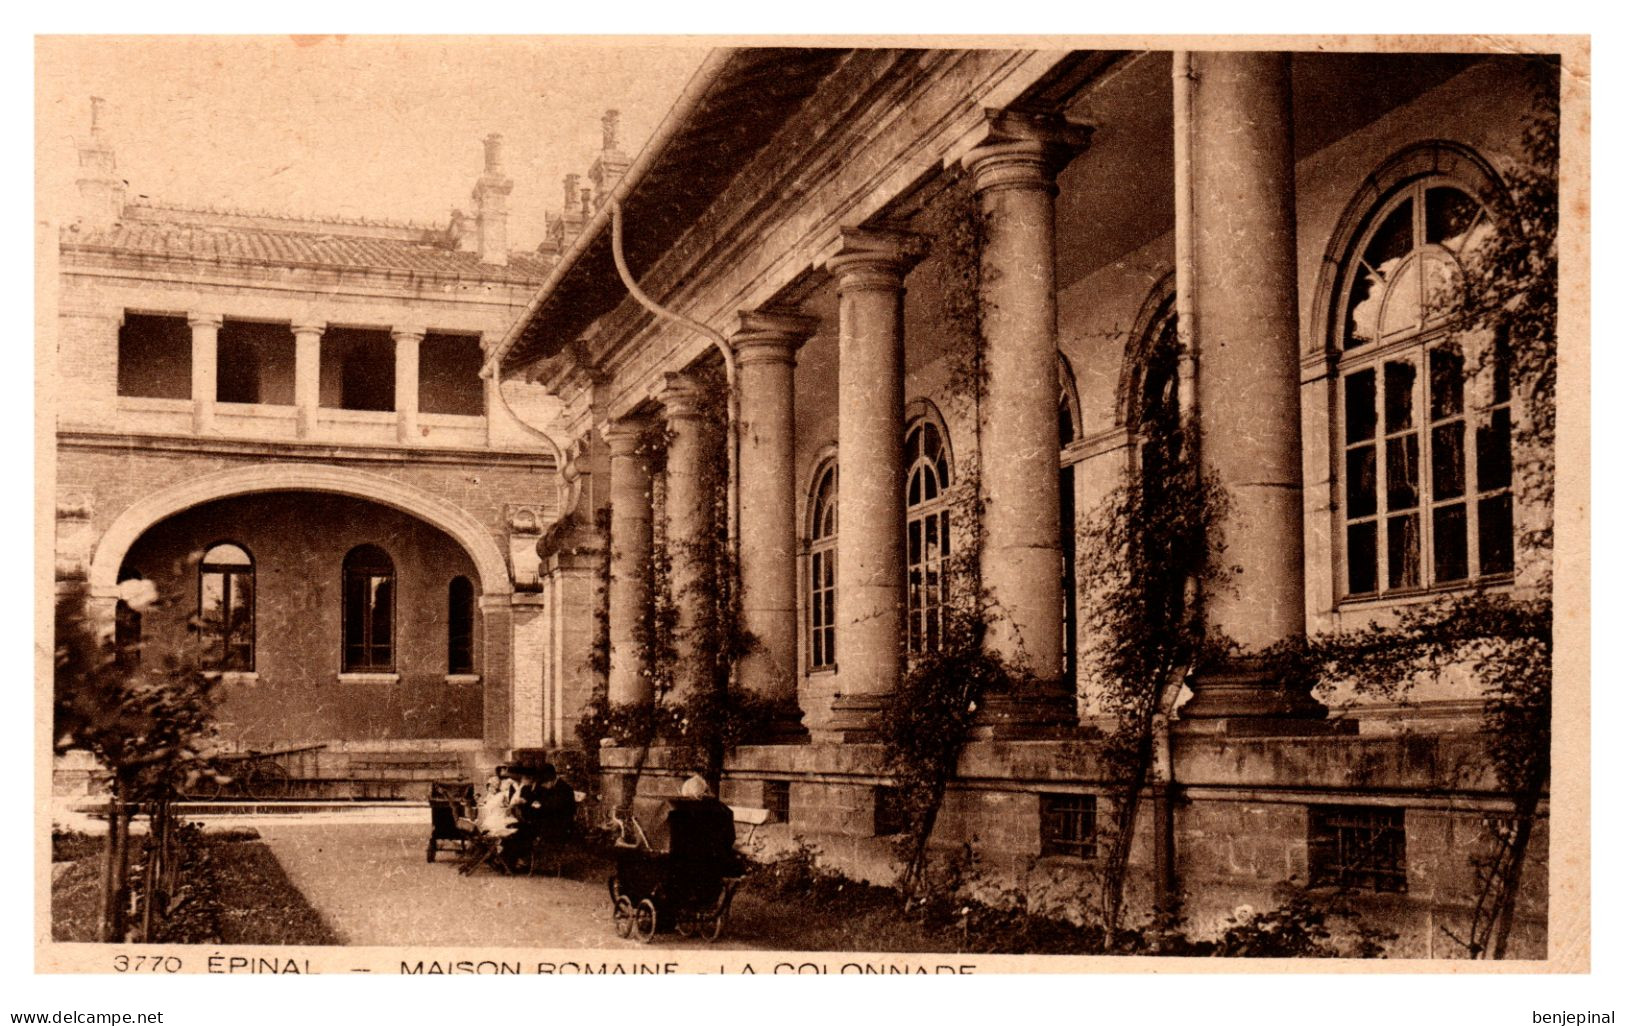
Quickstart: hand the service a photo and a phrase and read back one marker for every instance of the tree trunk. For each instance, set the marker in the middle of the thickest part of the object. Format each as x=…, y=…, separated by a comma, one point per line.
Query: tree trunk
x=116, y=870
x=1524, y=810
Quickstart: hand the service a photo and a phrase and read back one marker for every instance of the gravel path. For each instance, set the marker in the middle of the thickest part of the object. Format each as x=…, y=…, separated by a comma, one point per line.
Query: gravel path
x=371, y=884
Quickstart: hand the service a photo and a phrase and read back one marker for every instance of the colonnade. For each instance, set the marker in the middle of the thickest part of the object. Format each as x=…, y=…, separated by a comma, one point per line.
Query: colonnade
x=1243, y=275
x=307, y=334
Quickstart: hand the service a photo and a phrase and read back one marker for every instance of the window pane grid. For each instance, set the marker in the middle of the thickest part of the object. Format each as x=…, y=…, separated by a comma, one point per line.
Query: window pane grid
x=1068, y=825
x=1357, y=848
x=1425, y=470
x=927, y=538
x=226, y=608
x=369, y=610
x=821, y=572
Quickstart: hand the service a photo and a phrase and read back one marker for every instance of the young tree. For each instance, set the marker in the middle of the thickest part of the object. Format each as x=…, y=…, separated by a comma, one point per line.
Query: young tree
x=145, y=718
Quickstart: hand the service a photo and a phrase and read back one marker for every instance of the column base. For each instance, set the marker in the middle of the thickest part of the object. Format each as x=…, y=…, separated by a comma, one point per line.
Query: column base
x=1040, y=712
x=856, y=718
x=1251, y=701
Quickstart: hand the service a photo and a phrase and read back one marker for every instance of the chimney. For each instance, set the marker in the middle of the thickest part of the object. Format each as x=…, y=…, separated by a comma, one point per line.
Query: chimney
x=491, y=206
x=564, y=229
x=101, y=190
x=611, y=165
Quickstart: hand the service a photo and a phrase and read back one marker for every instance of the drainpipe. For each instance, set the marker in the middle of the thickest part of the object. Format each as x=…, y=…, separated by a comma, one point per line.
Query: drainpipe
x=1184, y=85
x=1184, y=206
x=730, y=368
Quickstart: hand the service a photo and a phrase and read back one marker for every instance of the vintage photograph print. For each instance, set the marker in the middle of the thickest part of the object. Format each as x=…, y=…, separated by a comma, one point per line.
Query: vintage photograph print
x=649, y=505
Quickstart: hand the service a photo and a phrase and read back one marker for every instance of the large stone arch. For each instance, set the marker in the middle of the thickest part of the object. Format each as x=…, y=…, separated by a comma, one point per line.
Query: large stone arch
x=134, y=521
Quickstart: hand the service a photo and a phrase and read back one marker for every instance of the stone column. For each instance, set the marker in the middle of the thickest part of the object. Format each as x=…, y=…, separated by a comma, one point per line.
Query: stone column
x=407, y=341
x=1243, y=277
x=693, y=455
x=870, y=574
x=765, y=350
x=630, y=542
x=1013, y=172
x=205, y=355
x=307, y=374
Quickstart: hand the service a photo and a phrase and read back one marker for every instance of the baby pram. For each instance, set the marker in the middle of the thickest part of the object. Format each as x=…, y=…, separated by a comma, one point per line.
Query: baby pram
x=689, y=887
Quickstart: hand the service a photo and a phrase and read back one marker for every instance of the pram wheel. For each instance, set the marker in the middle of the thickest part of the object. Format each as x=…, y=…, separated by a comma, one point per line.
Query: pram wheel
x=625, y=915
x=644, y=918
x=711, y=929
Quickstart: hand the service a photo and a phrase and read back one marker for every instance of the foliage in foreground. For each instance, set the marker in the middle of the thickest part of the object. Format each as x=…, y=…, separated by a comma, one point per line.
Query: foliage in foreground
x=797, y=902
x=235, y=892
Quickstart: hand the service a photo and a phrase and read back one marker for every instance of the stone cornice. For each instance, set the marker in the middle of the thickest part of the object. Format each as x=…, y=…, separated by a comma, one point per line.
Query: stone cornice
x=296, y=276
x=773, y=201
x=293, y=451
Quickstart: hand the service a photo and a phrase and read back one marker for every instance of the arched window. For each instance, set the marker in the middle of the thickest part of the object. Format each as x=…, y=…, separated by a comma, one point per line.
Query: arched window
x=1426, y=448
x=1069, y=426
x=821, y=570
x=1154, y=410
x=369, y=610
x=925, y=455
x=460, y=626
x=226, y=607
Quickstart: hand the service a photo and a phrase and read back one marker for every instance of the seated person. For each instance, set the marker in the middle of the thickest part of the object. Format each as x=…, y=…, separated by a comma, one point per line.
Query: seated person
x=495, y=814
x=544, y=807
x=553, y=803
x=702, y=839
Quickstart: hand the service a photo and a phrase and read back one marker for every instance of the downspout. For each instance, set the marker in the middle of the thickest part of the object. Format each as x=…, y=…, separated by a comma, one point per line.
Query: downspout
x=730, y=367
x=1184, y=85
x=1184, y=261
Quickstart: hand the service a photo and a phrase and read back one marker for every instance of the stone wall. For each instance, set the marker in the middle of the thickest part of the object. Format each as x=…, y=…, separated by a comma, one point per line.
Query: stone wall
x=1240, y=820
x=101, y=478
x=298, y=543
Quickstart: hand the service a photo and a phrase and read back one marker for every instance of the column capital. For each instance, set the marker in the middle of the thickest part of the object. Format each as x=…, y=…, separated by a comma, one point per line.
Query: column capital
x=623, y=436
x=682, y=396
x=407, y=333
x=874, y=259
x=203, y=319
x=310, y=327
x=1022, y=150
x=771, y=336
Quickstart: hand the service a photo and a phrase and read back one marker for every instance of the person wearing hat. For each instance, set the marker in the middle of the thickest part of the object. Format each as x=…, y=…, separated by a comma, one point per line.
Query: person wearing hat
x=544, y=806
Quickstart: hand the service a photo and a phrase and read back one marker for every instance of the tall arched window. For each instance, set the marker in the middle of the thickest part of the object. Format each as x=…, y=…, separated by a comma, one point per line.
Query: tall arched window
x=925, y=455
x=460, y=626
x=1426, y=446
x=1069, y=425
x=369, y=610
x=1154, y=414
x=226, y=607
x=821, y=570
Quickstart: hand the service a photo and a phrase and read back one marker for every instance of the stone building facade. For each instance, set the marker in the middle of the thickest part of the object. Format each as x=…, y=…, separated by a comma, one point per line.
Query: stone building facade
x=794, y=222
x=281, y=423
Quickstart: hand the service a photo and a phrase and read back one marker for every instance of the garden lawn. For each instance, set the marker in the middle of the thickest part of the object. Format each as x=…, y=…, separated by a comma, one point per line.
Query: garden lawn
x=240, y=896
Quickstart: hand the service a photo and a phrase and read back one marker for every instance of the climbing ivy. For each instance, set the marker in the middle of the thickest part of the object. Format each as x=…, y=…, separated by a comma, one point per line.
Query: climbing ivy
x=698, y=730
x=925, y=728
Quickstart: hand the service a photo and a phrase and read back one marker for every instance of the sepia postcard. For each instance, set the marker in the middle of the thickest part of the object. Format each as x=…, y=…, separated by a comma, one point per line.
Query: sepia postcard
x=906, y=506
